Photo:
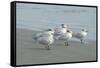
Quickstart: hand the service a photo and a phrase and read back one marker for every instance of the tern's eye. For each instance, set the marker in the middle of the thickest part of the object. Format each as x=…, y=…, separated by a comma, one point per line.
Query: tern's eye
x=83, y=30
x=68, y=31
x=86, y=31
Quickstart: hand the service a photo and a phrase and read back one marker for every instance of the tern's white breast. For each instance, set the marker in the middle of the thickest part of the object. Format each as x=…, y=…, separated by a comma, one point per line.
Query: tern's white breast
x=60, y=30
x=45, y=38
x=80, y=35
x=65, y=36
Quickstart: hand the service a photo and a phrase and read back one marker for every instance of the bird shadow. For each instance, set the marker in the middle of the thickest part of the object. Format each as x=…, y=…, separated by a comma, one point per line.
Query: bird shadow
x=37, y=49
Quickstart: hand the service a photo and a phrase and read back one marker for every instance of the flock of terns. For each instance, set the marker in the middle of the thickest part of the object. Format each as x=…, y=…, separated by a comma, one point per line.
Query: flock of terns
x=48, y=37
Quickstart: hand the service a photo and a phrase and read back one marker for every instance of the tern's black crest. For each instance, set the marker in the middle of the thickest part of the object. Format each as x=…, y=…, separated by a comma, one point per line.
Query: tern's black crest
x=49, y=30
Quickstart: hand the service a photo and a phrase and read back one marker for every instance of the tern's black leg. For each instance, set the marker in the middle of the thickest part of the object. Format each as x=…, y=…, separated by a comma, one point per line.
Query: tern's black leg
x=82, y=41
x=47, y=47
x=66, y=44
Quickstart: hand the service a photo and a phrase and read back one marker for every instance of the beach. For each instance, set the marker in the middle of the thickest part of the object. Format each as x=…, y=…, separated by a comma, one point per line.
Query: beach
x=30, y=52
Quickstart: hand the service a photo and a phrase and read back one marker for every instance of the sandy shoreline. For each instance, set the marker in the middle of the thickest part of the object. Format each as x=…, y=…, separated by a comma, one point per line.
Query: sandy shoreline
x=29, y=52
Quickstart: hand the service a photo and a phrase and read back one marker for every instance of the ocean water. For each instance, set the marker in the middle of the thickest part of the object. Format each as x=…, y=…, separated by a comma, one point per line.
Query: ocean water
x=40, y=17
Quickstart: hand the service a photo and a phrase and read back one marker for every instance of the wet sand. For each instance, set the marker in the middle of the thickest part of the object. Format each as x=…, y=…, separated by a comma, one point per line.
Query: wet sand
x=30, y=52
